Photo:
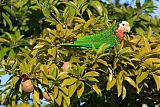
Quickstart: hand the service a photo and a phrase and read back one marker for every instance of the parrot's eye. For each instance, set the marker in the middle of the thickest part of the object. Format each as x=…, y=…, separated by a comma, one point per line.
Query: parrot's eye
x=123, y=24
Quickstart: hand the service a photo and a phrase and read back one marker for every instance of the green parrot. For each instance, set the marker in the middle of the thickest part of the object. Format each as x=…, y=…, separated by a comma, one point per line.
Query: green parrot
x=109, y=37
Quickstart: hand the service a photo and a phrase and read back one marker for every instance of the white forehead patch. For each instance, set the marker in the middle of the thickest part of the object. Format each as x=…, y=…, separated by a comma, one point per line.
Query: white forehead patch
x=125, y=23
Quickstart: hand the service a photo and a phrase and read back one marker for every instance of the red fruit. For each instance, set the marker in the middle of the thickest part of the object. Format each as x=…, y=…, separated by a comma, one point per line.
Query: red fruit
x=66, y=65
x=46, y=96
x=27, y=86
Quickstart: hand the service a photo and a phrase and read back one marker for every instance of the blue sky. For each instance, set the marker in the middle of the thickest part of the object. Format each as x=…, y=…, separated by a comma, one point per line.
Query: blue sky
x=133, y=3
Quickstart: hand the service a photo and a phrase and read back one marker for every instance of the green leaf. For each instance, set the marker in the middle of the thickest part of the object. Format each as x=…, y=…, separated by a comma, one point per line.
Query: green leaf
x=145, y=17
x=35, y=7
x=146, y=44
x=20, y=4
x=36, y=97
x=130, y=81
x=68, y=81
x=138, y=3
x=91, y=74
x=53, y=52
x=2, y=73
x=125, y=50
x=8, y=9
x=110, y=84
x=55, y=10
x=59, y=98
x=123, y=93
x=119, y=89
x=55, y=92
x=84, y=8
x=92, y=79
x=3, y=52
x=59, y=27
x=95, y=87
x=66, y=98
x=3, y=40
x=46, y=12
x=50, y=77
x=102, y=49
x=157, y=80
x=119, y=83
x=80, y=90
x=98, y=6
x=62, y=75
x=88, y=23
x=80, y=20
x=72, y=89
x=141, y=77
x=64, y=89
x=11, y=53
x=8, y=20
x=102, y=62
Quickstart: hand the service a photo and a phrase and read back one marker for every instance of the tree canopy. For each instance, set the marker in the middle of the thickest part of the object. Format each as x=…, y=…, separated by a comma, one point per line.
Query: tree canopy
x=31, y=34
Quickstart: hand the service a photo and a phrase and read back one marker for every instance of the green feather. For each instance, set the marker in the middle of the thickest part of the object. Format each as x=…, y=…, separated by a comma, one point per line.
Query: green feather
x=107, y=36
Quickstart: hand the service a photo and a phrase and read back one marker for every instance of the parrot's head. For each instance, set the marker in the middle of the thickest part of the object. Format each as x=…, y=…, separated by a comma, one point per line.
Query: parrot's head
x=122, y=27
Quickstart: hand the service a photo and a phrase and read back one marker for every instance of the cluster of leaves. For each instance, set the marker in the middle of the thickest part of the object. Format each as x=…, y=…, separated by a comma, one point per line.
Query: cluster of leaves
x=94, y=76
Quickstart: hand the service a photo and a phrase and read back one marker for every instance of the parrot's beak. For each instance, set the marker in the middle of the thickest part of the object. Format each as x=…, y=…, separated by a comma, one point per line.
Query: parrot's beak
x=128, y=28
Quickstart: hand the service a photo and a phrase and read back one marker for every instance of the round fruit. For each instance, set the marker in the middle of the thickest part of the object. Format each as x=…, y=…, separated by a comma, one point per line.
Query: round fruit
x=46, y=96
x=27, y=86
x=66, y=65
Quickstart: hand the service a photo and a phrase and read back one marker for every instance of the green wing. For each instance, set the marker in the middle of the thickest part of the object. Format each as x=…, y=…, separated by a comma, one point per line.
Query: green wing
x=96, y=40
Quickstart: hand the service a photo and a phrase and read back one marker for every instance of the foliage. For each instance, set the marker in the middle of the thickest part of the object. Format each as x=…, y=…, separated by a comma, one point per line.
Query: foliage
x=31, y=39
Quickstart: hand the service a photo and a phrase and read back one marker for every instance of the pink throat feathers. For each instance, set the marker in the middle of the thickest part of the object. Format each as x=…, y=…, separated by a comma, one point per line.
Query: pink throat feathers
x=120, y=33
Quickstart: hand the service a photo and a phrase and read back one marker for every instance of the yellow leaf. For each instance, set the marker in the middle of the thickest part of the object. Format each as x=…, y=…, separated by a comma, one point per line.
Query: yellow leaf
x=36, y=97
x=140, y=78
x=66, y=98
x=68, y=81
x=55, y=92
x=14, y=100
x=80, y=90
x=80, y=20
x=92, y=79
x=150, y=61
x=123, y=93
x=53, y=52
x=157, y=80
x=59, y=98
x=102, y=62
x=91, y=73
x=64, y=89
x=95, y=87
x=88, y=23
x=157, y=49
x=146, y=48
x=119, y=89
x=77, y=27
x=3, y=40
x=72, y=89
x=102, y=48
x=59, y=27
x=130, y=81
x=110, y=84
x=119, y=83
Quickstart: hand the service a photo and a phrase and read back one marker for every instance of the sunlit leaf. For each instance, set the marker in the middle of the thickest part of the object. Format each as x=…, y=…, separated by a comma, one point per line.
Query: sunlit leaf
x=123, y=93
x=68, y=81
x=36, y=97
x=91, y=73
x=110, y=84
x=80, y=90
x=130, y=81
x=157, y=80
